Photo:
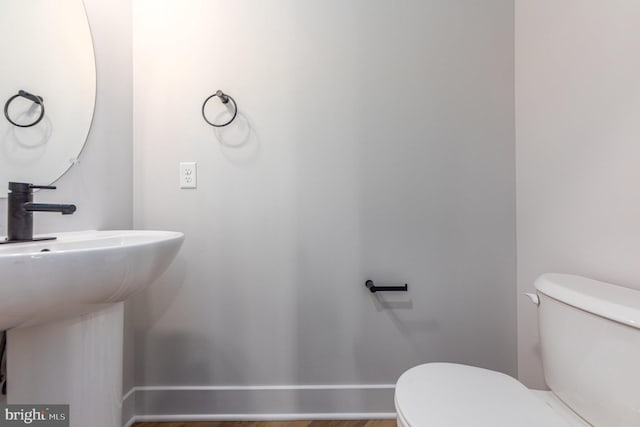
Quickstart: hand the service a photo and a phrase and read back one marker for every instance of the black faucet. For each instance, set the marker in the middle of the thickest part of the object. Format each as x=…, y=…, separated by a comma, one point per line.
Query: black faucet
x=21, y=208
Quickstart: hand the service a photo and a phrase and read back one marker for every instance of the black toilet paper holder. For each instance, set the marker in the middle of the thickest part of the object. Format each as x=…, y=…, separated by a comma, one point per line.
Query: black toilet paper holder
x=373, y=288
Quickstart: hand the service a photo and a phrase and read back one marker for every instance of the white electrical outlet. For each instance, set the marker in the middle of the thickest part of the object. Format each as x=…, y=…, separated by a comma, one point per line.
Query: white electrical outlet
x=188, y=175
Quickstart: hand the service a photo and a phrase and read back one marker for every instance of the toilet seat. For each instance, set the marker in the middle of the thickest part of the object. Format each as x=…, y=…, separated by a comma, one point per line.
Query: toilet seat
x=447, y=394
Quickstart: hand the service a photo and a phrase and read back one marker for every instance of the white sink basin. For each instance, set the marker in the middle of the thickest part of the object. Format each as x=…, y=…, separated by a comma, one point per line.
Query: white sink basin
x=79, y=272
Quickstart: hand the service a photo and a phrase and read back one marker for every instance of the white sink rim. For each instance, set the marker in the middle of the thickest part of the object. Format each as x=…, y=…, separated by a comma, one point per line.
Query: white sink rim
x=64, y=241
x=81, y=273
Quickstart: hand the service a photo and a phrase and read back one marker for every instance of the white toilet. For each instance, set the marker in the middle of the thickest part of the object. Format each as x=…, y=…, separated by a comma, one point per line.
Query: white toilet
x=590, y=343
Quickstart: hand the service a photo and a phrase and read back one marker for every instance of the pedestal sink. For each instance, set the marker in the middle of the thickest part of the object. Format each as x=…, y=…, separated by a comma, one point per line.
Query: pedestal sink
x=62, y=304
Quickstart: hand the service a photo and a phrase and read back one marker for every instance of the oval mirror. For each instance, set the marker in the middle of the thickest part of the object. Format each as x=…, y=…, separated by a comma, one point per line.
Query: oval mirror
x=47, y=88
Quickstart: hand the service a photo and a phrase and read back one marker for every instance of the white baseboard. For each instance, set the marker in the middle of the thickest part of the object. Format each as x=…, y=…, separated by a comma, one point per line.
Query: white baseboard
x=129, y=408
x=258, y=403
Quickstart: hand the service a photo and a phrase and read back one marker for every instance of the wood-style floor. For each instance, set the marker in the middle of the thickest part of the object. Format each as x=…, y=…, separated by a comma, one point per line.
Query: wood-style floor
x=351, y=423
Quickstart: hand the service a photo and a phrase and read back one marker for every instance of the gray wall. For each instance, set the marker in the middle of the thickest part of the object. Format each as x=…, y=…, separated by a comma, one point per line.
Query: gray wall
x=374, y=140
x=577, y=108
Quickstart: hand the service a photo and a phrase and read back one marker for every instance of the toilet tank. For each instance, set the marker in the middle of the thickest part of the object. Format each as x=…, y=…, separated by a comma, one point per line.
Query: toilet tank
x=590, y=343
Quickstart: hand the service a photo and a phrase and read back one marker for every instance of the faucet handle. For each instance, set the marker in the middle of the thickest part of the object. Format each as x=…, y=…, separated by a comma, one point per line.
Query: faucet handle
x=24, y=187
x=43, y=187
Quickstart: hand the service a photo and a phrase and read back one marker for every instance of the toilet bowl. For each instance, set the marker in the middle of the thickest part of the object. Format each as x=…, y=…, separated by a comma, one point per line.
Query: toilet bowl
x=590, y=341
x=447, y=394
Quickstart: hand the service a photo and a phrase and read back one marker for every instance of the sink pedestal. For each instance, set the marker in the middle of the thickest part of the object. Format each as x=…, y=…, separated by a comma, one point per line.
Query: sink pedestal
x=76, y=361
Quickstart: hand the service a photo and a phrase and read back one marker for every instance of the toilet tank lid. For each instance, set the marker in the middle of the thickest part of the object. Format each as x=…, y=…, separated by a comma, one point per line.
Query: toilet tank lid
x=606, y=300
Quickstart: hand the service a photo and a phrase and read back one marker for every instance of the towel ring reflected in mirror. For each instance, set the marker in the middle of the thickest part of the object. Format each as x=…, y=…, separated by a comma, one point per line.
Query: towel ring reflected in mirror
x=24, y=94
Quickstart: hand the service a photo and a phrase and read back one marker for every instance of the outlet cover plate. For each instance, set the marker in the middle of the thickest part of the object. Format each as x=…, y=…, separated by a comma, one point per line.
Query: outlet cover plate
x=188, y=175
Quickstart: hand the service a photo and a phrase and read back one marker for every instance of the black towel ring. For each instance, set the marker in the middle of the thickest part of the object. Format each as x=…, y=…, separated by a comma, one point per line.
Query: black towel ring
x=24, y=94
x=224, y=98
